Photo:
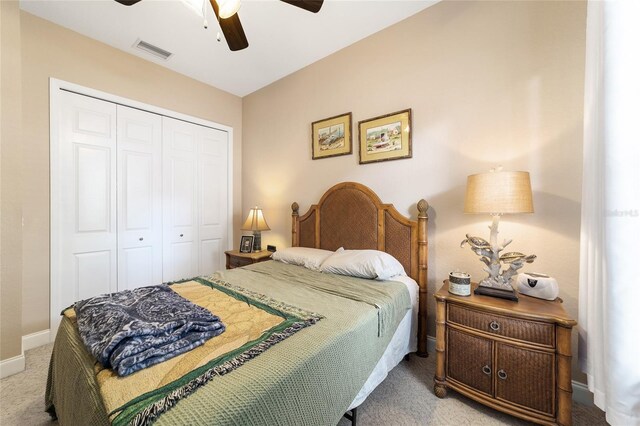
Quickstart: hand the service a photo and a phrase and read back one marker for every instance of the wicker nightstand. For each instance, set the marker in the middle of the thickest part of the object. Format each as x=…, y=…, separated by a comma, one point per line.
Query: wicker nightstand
x=511, y=356
x=235, y=259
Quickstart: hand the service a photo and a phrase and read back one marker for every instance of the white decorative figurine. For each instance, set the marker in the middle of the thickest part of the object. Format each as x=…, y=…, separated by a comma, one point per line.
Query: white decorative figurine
x=490, y=255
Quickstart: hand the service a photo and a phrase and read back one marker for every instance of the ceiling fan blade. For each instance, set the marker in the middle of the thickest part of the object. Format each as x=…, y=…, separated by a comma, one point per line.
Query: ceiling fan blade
x=128, y=2
x=310, y=5
x=232, y=29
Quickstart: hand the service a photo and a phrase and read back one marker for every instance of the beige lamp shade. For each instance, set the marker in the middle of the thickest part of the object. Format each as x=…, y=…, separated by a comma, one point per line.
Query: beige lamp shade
x=499, y=193
x=255, y=221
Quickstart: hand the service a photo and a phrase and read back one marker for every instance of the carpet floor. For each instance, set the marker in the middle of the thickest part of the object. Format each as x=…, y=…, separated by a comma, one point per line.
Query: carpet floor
x=404, y=398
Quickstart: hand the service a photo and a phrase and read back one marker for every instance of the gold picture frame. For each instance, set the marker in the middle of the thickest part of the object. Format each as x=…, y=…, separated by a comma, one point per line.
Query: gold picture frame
x=384, y=138
x=331, y=137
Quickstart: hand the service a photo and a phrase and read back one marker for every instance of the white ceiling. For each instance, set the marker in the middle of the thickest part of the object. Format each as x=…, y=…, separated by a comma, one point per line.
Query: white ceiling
x=282, y=38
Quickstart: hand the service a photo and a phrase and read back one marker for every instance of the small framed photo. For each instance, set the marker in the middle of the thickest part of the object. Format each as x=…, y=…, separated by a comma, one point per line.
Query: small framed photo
x=387, y=137
x=246, y=244
x=331, y=137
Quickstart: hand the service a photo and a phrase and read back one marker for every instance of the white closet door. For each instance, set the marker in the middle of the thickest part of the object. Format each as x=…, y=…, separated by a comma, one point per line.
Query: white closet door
x=139, y=163
x=86, y=217
x=195, y=202
x=180, y=201
x=213, y=196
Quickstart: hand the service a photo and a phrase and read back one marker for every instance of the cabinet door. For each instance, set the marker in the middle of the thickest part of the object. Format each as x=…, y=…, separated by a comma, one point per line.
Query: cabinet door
x=139, y=198
x=526, y=377
x=469, y=360
x=84, y=201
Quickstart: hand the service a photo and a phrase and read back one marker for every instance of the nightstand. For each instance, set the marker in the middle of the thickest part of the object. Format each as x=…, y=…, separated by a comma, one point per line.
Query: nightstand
x=235, y=259
x=511, y=356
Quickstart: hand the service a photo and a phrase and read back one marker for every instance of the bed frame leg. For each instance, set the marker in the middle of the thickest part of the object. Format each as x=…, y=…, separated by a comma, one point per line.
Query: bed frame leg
x=352, y=416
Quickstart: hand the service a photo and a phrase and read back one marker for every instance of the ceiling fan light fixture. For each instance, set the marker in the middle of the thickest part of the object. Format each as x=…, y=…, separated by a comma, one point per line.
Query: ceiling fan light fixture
x=227, y=8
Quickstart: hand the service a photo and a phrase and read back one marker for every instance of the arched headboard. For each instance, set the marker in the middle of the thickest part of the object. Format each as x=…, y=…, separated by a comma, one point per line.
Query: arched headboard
x=351, y=215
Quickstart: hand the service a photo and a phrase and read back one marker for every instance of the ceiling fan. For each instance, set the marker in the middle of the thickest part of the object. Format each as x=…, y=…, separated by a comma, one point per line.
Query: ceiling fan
x=227, y=17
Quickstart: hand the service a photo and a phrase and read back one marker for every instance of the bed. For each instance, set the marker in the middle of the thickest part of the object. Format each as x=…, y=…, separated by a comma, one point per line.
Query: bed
x=357, y=331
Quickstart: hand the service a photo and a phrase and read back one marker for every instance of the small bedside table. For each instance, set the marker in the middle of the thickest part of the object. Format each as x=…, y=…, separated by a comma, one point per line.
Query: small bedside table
x=511, y=356
x=235, y=259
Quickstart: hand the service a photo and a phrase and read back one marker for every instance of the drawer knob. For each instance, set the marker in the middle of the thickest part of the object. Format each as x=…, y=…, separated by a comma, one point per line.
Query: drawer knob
x=182, y=235
x=494, y=326
x=140, y=238
x=486, y=370
x=502, y=374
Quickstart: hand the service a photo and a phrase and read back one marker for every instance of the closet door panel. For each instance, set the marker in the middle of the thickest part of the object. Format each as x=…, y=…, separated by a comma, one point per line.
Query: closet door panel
x=136, y=266
x=212, y=184
x=92, y=167
x=86, y=214
x=210, y=256
x=139, y=198
x=182, y=255
x=180, y=207
x=93, y=273
x=183, y=192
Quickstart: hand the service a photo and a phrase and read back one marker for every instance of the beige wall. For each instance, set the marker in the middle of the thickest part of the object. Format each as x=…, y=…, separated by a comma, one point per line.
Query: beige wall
x=489, y=83
x=10, y=182
x=49, y=50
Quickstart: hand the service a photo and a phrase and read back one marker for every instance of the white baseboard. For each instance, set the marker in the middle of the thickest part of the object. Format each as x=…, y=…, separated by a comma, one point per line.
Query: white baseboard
x=11, y=366
x=580, y=394
x=34, y=340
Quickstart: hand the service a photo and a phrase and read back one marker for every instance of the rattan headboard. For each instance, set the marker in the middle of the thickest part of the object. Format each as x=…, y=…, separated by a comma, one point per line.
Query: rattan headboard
x=350, y=215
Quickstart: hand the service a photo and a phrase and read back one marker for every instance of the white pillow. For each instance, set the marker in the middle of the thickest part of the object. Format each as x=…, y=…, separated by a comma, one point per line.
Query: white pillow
x=310, y=258
x=363, y=264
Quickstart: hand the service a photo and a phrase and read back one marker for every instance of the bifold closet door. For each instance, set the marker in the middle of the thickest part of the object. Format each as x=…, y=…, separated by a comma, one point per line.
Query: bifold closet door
x=213, y=196
x=85, y=219
x=195, y=199
x=139, y=182
x=136, y=199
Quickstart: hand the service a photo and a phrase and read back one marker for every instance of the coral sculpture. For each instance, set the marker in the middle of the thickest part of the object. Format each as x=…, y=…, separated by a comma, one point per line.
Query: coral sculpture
x=489, y=253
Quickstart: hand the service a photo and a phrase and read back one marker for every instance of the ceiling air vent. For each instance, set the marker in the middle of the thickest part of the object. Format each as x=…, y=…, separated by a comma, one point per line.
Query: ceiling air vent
x=154, y=50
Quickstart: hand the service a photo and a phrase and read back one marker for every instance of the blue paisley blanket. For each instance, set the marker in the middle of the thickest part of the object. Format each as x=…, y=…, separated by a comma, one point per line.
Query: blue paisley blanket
x=134, y=329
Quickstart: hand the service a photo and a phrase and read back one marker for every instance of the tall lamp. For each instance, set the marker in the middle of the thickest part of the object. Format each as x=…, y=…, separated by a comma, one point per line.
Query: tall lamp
x=496, y=193
x=255, y=222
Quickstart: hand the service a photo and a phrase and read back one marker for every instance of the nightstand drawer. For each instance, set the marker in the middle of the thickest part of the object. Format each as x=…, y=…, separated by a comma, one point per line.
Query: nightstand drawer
x=514, y=328
x=237, y=262
x=235, y=259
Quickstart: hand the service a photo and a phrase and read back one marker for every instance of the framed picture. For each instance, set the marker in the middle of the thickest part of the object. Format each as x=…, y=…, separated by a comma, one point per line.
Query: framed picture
x=384, y=138
x=246, y=244
x=331, y=137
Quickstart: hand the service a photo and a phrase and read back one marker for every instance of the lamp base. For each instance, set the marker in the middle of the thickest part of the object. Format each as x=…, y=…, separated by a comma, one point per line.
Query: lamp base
x=257, y=241
x=496, y=292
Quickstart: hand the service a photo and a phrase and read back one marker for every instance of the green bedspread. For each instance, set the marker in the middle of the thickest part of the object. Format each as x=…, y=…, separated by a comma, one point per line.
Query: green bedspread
x=308, y=379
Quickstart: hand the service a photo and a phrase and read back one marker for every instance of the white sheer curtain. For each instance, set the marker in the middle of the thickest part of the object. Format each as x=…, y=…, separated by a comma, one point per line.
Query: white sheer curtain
x=609, y=320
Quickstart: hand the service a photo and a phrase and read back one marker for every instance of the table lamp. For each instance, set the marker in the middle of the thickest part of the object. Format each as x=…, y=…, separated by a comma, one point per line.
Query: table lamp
x=255, y=222
x=496, y=193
